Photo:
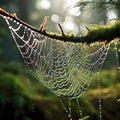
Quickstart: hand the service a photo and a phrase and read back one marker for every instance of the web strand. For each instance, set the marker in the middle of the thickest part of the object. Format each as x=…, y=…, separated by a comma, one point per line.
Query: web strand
x=65, y=68
x=99, y=96
x=117, y=52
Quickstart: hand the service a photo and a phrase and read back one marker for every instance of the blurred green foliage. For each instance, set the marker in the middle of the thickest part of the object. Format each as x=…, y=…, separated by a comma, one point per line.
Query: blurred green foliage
x=20, y=100
x=108, y=78
x=18, y=103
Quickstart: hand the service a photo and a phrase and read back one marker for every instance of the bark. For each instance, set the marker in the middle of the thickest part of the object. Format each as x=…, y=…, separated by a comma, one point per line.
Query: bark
x=95, y=33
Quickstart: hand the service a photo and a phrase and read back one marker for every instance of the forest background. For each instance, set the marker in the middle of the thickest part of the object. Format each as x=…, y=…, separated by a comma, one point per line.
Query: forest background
x=17, y=101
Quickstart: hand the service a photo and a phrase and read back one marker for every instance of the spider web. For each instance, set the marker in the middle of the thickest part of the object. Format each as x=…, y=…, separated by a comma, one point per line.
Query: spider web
x=65, y=68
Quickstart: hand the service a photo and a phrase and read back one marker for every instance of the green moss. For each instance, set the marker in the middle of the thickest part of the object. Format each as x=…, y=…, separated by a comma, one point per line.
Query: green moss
x=103, y=33
x=98, y=33
x=15, y=100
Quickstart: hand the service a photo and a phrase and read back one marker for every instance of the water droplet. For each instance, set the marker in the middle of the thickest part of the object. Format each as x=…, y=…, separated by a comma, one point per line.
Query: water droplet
x=14, y=21
x=10, y=27
x=8, y=18
x=18, y=23
x=11, y=19
x=69, y=115
x=4, y=17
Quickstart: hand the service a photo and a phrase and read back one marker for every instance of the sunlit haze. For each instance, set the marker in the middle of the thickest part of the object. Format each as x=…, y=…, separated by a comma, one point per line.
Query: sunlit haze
x=70, y=17
x=111, y=14
x=43, y=4
x=66, y=11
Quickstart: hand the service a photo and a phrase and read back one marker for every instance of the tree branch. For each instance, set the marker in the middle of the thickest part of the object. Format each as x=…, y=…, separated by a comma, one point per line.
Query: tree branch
x=98, y=33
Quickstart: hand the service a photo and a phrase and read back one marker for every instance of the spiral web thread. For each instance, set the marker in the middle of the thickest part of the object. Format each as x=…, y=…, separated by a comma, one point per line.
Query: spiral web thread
x=65, y=68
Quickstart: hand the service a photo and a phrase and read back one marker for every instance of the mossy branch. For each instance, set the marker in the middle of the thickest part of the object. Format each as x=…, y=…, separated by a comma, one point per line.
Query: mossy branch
x=98, y=33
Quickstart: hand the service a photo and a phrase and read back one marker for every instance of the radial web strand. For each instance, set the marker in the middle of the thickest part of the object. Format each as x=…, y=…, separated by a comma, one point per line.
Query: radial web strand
x=65, y=68
x=117, y=52
x=99, y=97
